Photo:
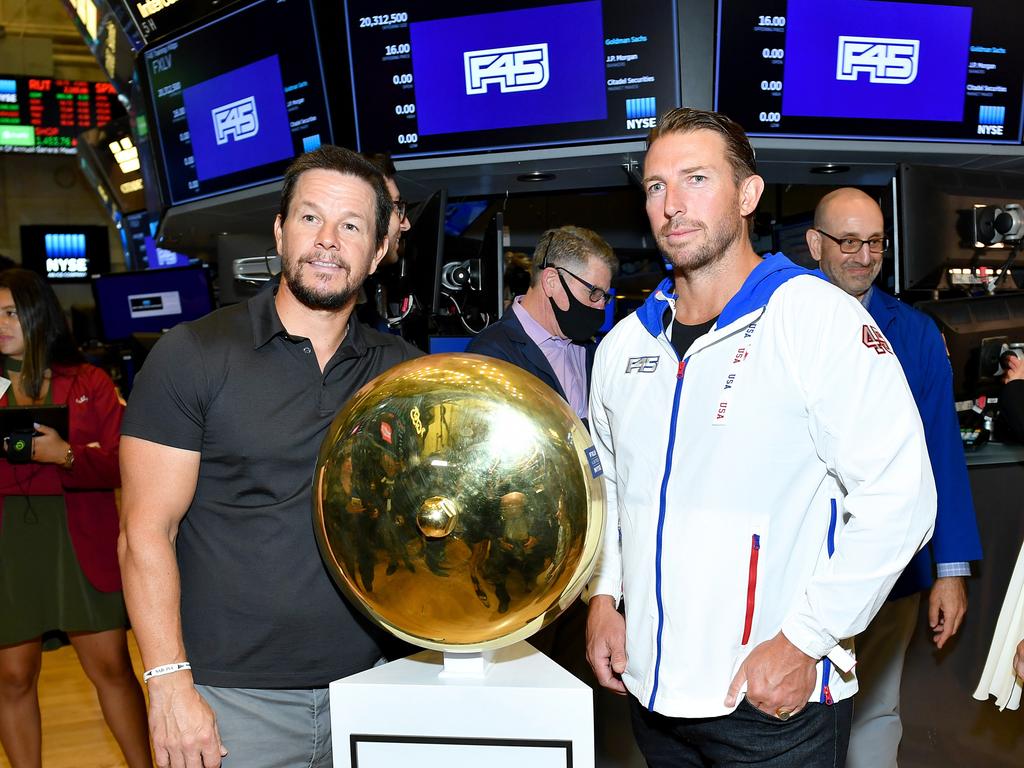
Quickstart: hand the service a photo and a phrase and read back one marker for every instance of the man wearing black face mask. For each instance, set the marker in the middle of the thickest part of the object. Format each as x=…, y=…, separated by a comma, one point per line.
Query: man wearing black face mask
x=549, y=331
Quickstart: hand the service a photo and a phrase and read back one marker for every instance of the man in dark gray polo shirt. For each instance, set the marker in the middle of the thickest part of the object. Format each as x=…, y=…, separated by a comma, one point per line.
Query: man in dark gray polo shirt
x=239, y=624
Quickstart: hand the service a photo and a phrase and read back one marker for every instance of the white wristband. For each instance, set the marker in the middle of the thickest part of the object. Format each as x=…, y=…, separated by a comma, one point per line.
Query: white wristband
x=166, y=669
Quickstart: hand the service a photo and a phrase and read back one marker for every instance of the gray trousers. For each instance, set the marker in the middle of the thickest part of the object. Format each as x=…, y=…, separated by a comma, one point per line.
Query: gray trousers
x=881, y=651
x=272, y=728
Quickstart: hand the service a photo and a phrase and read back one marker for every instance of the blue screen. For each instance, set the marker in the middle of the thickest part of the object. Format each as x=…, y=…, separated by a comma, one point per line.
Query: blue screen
x=150, y=301
x=871, y=59
x=439, y=77
x=437, y=344
x=918, y=70
x=238, y=120
x=514, y=68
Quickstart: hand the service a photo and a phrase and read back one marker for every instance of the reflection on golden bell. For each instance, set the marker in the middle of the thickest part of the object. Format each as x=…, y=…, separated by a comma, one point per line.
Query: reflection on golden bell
x=458, y=502
x=436, y=517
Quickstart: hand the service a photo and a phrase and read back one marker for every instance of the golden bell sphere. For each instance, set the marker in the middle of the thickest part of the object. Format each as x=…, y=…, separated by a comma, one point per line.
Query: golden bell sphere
x=458, y=502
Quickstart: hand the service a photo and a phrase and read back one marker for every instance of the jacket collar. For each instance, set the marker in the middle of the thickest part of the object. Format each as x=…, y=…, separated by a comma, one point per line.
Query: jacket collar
x=883, y=308
x=773, y=271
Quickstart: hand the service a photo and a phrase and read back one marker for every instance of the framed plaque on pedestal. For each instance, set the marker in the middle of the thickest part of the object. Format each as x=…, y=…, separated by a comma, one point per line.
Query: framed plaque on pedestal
x=506, y=709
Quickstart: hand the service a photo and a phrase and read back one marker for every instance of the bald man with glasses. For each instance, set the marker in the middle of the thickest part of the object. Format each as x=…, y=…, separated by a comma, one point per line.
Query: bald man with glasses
x=848, y=240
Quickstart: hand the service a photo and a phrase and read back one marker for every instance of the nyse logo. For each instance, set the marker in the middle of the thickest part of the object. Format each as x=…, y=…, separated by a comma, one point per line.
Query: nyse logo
x=990, y=120
x=885, y=59
x=516, y=68
x=238, y=120
x=646, y=364
x=641, y=113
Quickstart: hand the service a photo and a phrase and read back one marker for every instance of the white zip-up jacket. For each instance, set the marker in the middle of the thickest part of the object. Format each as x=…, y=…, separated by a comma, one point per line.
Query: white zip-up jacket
x=729, y=475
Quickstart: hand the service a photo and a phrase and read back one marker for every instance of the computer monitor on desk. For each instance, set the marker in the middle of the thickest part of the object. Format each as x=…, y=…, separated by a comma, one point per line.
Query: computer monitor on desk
x=966, y=325
x=151, y=301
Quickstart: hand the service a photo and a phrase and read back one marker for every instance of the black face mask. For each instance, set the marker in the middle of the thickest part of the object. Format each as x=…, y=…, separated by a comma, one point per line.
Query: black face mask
x=579, y=322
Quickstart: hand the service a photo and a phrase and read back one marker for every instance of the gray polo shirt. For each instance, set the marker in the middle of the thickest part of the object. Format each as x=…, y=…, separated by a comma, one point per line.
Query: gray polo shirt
x=258, y=608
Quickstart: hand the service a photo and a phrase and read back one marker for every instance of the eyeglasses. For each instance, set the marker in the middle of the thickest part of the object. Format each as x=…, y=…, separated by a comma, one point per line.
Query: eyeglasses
x=854, y=244
x=401, y=206
x=596, y=294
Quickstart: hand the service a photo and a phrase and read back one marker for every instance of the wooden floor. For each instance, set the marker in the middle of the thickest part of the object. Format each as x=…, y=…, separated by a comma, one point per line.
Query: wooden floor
x=74, y=734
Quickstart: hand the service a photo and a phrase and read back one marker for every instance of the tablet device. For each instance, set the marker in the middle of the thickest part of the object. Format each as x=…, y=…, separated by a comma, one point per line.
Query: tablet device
x=22, y=417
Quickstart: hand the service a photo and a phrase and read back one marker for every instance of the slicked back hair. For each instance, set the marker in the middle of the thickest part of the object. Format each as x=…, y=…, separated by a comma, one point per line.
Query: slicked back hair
x=738, y=151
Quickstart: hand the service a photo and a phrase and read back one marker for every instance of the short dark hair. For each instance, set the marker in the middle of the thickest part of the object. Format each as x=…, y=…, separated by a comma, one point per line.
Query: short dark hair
x=348, y=163
x=382, y=162
x=571, y=247
x=738, y=151
x=48, y=339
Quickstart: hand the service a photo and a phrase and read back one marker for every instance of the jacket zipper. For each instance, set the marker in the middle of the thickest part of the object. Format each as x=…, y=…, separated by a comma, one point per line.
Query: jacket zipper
x=755, y=549
x=664, y=491
x=661, y=528
x=826, y=666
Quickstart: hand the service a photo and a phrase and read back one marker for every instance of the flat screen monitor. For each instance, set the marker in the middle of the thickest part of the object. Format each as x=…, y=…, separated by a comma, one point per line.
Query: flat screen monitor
x=438, y=344
x=44, y=115
x=163, y=258
x=156, y=19
x=446, y=77
x=492, y=269
x=919, y=70
x=234, y=100
x=65, y=253
x=965, y=325
x=936, y=219
x=424, y=250
x=459, y=216
x=136, y=229
x=151, y=301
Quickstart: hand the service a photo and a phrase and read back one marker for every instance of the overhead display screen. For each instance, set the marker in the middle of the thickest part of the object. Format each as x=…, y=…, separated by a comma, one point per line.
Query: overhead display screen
x=154, y=19
x=430, y=79
x=227, y=115
x=44, y=115
x=876, y=69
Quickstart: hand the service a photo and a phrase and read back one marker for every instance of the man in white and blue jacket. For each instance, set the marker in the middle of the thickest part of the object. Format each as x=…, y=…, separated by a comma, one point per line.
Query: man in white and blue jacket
x=766, y=473
x=848, y=240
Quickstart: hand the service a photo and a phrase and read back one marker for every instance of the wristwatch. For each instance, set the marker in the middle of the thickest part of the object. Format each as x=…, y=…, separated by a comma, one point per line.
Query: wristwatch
x=69, y=458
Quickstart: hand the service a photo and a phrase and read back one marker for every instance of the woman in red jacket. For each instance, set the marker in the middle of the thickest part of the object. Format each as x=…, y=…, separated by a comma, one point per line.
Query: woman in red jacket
x=58, y=528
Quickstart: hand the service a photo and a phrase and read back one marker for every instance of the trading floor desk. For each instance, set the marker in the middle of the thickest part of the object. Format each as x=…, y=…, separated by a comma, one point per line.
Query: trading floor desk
x=943, y=724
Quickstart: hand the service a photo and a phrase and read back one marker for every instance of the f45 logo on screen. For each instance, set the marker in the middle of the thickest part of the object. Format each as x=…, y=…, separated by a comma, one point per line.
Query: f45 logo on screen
x=516, y=68
x=885, y=59
x=237, y=120
x=873, y=339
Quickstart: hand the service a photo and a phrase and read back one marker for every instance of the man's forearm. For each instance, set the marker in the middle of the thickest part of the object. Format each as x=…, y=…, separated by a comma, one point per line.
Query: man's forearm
x=152, y=592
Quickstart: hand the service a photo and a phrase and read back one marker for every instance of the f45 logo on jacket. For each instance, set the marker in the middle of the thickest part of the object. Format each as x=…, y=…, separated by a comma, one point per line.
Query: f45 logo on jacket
x=873, y=339
x=646, y=364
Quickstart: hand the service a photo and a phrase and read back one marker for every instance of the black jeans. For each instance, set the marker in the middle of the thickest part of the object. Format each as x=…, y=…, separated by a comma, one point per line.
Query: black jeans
x=816, y=737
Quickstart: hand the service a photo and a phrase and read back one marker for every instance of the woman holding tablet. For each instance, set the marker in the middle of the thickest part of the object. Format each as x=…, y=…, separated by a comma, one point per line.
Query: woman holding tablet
x=59, y=526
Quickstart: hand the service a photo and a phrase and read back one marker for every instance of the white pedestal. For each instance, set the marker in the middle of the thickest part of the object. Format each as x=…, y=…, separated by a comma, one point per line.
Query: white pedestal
x=525, y=711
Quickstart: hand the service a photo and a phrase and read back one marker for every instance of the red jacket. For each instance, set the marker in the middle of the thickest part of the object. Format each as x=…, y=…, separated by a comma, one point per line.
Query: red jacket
x=94, y=421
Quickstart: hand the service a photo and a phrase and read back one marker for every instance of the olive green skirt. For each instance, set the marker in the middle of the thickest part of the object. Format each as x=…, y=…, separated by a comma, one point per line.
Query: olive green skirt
x=42, y=587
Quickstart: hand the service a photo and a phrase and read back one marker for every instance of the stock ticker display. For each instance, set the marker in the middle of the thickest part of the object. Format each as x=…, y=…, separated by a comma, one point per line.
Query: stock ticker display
x=44, y=115
x=228, y=115
x=926, y=71
x=430, y=79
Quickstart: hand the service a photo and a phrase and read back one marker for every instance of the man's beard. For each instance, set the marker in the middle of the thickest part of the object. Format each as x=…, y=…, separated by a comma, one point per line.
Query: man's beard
x=307, y=294
x=716, y=243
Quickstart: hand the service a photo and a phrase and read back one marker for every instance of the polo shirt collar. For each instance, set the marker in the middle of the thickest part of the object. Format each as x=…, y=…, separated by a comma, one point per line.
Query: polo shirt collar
x=266, y=324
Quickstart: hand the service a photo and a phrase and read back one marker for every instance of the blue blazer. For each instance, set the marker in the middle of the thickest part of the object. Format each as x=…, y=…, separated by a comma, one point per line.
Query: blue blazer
x=506, y=340
x=921, y=351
